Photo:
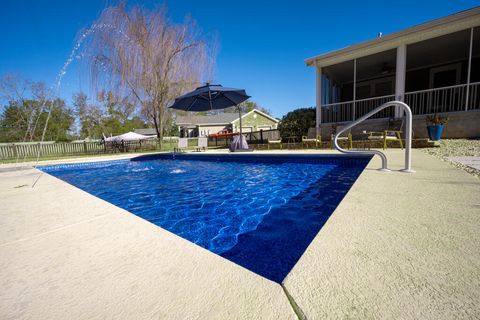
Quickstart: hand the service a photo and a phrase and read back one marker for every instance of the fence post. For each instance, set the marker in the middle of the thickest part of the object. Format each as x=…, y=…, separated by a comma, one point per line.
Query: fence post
x=261, y=135
x=15, y=152
x=84, y=146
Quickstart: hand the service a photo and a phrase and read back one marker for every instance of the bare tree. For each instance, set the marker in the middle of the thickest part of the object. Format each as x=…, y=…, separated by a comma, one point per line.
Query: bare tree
x=31, y=97
x=41, y=94
x=14, y=87
x=141, y=53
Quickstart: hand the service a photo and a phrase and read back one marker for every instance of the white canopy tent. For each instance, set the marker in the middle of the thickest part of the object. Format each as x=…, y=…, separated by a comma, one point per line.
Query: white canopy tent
x=129, y=136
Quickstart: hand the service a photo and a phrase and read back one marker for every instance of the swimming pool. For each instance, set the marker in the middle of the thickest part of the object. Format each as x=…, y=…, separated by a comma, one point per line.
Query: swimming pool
x=258, y=211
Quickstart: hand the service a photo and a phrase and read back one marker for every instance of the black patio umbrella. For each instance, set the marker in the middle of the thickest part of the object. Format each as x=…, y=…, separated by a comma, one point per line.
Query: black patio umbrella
x=211, y=97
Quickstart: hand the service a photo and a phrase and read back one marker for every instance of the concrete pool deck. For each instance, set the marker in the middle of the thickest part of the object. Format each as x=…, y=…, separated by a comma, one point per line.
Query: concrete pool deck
x=398, y=246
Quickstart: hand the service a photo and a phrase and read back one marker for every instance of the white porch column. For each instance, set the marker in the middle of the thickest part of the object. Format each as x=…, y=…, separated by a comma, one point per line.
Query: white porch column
x=400, y=73
x=318, y=100
x=354, y=87
x=469, y=69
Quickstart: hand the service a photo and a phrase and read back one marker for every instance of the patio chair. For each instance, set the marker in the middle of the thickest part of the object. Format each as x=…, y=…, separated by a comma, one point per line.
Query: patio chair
x=182, y=145
x=274, y=142
x=392, y=132
x=202, y=144
x=317, y=140
x=348, y=138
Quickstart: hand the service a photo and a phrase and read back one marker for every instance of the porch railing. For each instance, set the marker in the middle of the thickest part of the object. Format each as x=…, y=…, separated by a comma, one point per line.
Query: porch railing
x=446, y=99
x=351, y=110
x=438, y=100
x=408, y=135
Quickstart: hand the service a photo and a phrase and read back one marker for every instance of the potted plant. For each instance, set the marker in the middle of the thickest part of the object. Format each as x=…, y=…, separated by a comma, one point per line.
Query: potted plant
x=435, y=125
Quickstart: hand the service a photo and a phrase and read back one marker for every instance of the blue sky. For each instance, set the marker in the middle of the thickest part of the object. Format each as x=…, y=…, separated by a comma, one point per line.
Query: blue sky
x=262, y=44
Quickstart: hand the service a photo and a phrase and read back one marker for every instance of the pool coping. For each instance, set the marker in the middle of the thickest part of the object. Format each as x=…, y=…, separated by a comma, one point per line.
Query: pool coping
x=335, y=163
x=314, y=272
x=341, y=158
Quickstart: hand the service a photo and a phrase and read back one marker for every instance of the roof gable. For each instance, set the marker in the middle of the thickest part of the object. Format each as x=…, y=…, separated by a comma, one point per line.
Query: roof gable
x=146, y=131
x=221, y=118
x=260, y=113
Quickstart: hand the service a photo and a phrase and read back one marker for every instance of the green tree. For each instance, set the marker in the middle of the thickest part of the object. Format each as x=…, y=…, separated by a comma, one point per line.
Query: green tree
x=89, y=117
x=297, y=122
x=248, y=106
x=16, y=121
x=59, y=125
x=13, y=122
x=120, y=114
x=26, y=100
x=112, y=116
x=159, y=61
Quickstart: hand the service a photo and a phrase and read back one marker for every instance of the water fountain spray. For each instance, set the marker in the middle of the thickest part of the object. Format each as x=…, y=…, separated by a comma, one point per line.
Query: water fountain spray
x=58, y=80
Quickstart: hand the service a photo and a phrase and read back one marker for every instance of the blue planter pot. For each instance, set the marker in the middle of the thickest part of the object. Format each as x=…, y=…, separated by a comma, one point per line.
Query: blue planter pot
x=435, y=132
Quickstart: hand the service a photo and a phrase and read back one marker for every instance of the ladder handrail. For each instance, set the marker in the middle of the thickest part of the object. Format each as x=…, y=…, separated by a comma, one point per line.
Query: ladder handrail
x=408, y=136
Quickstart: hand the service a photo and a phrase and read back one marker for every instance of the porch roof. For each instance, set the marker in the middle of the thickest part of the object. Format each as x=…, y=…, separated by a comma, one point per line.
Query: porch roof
x=448, y=24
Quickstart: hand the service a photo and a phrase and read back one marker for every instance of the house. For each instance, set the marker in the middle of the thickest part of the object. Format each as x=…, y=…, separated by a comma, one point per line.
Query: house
x=146, y=131
x=433, y=67
x=202, y=126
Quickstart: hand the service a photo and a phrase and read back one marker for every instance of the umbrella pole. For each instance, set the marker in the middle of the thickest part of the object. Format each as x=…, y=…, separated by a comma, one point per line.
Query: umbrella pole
x=240, y=119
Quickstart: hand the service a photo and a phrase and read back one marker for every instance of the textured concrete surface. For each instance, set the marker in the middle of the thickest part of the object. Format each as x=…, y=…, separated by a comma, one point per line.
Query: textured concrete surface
x=65, y=254
x=473, y=162
x=399, y=246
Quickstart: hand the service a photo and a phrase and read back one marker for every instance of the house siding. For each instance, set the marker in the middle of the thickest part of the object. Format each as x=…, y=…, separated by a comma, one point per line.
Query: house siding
x=260, y=121
x=205, y=130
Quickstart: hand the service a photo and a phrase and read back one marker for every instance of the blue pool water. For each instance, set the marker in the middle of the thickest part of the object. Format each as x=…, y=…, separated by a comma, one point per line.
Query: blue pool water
x=259, y=212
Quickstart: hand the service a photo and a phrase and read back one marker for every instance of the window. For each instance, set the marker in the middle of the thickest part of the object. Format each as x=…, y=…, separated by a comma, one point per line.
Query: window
x=363, y=91
x=264, y=128
x=383, y=88
x=375, y=88
x=445, y=76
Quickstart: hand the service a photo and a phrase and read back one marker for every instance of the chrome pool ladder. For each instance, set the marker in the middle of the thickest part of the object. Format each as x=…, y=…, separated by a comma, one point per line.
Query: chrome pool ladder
x=408, y=136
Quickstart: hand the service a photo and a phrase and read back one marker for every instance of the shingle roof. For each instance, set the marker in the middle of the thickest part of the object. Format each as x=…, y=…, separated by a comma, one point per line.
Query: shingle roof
x=147, y=131
x=221, y=118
